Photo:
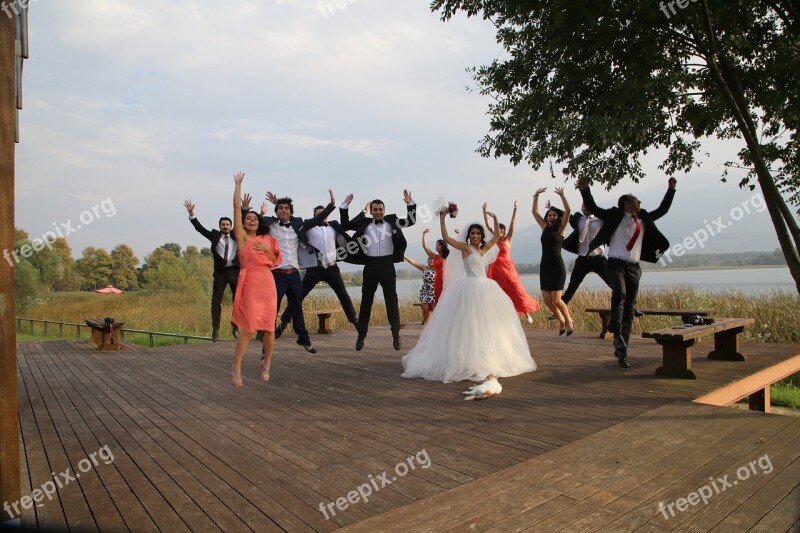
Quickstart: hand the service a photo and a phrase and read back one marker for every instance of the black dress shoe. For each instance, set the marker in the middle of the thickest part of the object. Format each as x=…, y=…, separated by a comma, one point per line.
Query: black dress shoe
x=551, y=317
x=396, y=343
x=360, y=342
x=279, y=330
x=214, y=334
x=623, y=362
x=308, y=346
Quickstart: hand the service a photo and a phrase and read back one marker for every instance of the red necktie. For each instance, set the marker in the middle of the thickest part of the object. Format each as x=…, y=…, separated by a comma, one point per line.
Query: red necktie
x=636, y=233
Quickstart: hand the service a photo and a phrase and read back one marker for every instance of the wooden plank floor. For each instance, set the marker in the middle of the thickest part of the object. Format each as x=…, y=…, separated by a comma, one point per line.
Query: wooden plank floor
x=192, y=453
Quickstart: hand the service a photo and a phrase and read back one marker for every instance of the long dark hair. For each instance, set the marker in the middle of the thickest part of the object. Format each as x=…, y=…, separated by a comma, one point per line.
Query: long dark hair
x=445, y=248
x=483, y=234
x=558, y=212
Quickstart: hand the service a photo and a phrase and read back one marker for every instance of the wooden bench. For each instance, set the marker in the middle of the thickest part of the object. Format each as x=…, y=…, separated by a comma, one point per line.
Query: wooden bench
x=324, y=316
x=605, y=316
x=105, y=333
x=677, y=345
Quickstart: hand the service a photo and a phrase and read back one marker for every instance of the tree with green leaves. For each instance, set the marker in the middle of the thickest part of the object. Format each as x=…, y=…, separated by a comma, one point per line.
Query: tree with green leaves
x=124, y=276
x=596, y=85
x=95, y=267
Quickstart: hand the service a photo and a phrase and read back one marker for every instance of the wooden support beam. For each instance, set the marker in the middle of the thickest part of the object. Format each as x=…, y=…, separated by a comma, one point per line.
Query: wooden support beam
x=9, y=426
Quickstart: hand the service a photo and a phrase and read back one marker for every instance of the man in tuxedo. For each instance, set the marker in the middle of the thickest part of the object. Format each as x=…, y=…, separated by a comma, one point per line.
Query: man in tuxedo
x=318, y=258
x=381, y=244
x=290, y=232
x=585, y=228
x=631, y=235
x=226, y=265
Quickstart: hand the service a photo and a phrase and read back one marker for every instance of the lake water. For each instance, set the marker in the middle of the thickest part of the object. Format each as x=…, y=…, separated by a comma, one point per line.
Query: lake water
x=746, y=280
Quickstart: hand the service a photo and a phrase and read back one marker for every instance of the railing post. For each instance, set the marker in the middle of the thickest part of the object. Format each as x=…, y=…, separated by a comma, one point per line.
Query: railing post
x=151, y=341
x=60, y=329
x=30, y=323
x=45, y=328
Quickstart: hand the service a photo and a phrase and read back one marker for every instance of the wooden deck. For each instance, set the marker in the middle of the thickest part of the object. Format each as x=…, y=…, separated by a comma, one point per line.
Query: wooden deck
x=578, y=444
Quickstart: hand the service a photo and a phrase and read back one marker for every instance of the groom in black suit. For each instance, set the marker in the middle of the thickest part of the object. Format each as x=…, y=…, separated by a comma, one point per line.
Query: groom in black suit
x=631, y=235
x=381, y=244
x=226, y=265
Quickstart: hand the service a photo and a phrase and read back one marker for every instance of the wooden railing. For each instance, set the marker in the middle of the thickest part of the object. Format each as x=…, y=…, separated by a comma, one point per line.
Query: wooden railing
x=123, y=331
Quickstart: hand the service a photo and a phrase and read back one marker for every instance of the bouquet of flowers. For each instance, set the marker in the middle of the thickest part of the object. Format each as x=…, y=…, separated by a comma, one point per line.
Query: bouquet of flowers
x=451, y=208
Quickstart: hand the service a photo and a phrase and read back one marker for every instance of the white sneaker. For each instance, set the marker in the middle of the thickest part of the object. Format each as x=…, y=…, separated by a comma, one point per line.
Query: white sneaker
x=530, y=319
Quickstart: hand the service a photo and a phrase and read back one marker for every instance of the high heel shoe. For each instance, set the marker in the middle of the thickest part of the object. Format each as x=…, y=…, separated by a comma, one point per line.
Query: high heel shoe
x=561, y=330
x=236, y=378
x=571, y=330
x=264, y=372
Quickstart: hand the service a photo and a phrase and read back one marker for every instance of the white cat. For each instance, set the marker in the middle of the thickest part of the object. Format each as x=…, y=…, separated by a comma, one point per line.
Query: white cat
x=490, y=387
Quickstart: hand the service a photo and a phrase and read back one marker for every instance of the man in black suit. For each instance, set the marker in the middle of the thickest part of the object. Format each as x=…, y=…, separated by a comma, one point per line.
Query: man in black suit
x=381, y=244
x=585, y=228
x=631, y=235
x=226, y=265
x=326, y=239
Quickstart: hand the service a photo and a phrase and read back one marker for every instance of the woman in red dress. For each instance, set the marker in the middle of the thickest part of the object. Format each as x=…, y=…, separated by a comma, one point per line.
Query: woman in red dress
x=442, y=251
x=503, y=271
x=256, y=302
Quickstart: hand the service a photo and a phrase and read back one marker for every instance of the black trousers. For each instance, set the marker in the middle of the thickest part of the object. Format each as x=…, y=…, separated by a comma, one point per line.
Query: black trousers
x=333, y=277
x=623, y=278
x=228, y=277
x=379, y=271
x=583, y=265
x=291, y=286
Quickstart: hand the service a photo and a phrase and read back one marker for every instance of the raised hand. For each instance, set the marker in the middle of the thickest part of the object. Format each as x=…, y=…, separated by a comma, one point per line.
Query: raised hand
x=246, y=202
x=264, y=208
x=272, y=197
x=189, y=207
x=485, y=204
x=540, y=191
x=547, y=204
x=333, y=200
x=426, y=231
x=516, y=204
x=672, y=183
x=238, y=177
x=407, y=196
x=348, y=199
x=366, y=207
x=559, y=191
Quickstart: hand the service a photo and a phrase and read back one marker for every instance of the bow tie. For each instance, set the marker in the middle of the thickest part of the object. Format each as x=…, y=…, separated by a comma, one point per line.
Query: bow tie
x=379, y=221
x=286, y=224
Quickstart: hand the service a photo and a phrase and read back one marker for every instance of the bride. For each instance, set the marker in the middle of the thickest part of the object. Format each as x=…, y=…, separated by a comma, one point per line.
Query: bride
x=474, y=330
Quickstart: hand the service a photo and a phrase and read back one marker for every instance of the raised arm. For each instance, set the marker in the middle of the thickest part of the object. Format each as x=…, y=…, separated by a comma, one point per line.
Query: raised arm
x=510, y=232
x=535, y=210
x=316, y=220
x=486, y=219
x=196, y=223
x=238, y=225
x=411, y=211
x=565, y=217
x=591, y=205
x=666, y=202
x=496, y=234
x=425, y=243
x=462, y=246
x=414, y=263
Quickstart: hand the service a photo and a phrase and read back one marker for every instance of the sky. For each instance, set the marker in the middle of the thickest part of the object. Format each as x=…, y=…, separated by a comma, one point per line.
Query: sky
x=132, y=107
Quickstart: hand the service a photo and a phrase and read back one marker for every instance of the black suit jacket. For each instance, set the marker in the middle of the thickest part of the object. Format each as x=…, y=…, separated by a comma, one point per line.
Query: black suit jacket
x=299, y=225
x=214, y=236
x=570, y=244
x=653, y=244
x=360, y=224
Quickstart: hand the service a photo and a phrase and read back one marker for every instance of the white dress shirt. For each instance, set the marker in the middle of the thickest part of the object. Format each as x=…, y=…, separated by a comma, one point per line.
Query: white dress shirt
x=618, y=248
x=287, y=243
x=594, y=228
x=379, y=240
x=323, y=238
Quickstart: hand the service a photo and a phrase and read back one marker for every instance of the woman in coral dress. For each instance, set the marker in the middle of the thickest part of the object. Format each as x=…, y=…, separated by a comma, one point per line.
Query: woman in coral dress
x=504, y=272
x=256, y=302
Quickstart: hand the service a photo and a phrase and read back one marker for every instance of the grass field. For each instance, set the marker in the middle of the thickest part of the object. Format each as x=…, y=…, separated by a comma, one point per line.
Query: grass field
x=777, y=316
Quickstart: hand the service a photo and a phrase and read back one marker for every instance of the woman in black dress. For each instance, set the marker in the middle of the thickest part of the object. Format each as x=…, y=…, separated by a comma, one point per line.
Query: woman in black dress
x=552, y=272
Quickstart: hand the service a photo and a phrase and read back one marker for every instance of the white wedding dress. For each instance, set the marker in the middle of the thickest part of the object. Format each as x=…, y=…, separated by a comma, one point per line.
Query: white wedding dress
x=473, y=332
